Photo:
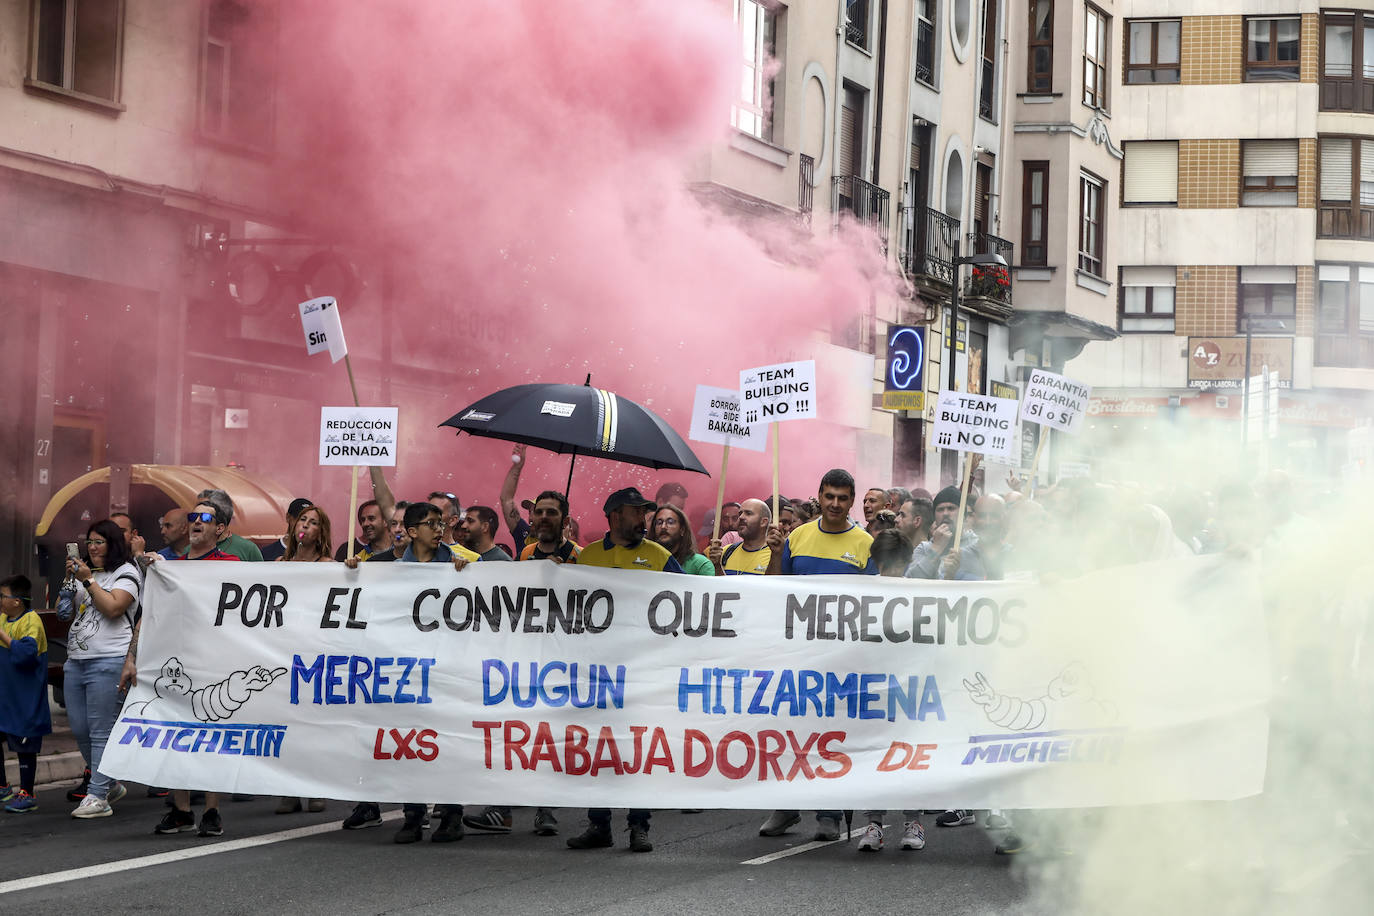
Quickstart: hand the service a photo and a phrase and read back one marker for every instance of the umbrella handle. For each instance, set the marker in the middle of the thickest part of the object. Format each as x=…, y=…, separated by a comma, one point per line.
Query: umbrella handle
x=567, y=492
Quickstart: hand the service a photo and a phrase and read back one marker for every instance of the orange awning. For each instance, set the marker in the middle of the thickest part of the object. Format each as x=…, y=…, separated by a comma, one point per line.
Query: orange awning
x=259, y=502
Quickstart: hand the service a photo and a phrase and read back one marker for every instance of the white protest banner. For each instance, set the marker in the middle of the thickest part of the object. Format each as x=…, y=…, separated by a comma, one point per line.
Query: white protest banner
x=547, y=684
x=716, y=418
x=323, y=327
x=1054, y=400
x=358, y=436
x=783, y=391
x=975, y=423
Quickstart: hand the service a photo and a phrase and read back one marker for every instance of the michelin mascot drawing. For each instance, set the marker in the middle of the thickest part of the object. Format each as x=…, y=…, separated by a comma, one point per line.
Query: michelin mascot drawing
x=214, y=703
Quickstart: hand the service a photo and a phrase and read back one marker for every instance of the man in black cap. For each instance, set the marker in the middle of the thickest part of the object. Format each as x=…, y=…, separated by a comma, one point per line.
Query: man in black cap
x=276, y=550
x=925, y=561
x=623, y=547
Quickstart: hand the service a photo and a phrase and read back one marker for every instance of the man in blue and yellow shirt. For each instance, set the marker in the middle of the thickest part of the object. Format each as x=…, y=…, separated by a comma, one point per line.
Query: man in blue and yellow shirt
x=830, y=545
x=750, y=556
x=623, y=547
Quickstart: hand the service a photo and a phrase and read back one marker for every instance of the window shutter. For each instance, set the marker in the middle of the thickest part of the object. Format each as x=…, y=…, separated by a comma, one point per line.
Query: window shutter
x=1267, y=274
x=1336, y=273
x=1151, y=172
x=1149, y=276
x=1271, y=157
x=1335, y=166
x=848, y=119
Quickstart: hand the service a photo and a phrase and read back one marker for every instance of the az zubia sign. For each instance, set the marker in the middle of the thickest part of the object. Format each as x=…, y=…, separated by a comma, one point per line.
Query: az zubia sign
x=559, y=685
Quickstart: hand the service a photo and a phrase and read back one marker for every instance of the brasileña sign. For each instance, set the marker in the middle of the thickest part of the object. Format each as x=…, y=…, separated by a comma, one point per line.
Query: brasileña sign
x=563, y=685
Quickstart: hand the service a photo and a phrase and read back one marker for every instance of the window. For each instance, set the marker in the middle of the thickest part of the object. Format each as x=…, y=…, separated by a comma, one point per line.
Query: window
x=1091, y=194
x=1040, y=47
x=1270, y=170
x=1347, y=38
x=1345, y=163
x=1152, y=51
x=1095, y=58
x=1267, y=292
x=1150, y=172
x=856, y=23
x=849, y=160
x=1345, y=315
x=238, y=76
x=987, y=90
x=1035, y=189
x=752, y=112
x=76, y=48
x=1271, y=49
x=925, y=41
x=1147, y=300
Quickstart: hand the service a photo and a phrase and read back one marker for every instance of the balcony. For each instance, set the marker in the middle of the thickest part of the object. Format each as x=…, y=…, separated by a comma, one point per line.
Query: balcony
x=991, y=283
x=925, y=52
x=1340, y=220
x=866, y=202
x=928, y=252
x=856, y=23
x=806, y=174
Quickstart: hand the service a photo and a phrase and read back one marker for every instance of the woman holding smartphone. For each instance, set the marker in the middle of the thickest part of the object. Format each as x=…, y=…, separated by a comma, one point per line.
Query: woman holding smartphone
x=106, y=602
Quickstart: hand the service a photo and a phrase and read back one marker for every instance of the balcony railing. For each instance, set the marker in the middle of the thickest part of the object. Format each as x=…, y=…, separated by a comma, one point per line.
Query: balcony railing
x=929, y=249
x=985, y=92
x=806, y=174
x=989, y=282
x=856, y=23
x=1342, y=221
x=866, y=202
x=925, y=51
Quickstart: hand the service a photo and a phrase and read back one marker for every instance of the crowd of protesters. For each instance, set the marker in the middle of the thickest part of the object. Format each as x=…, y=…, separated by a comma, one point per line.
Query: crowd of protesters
x=889, y=531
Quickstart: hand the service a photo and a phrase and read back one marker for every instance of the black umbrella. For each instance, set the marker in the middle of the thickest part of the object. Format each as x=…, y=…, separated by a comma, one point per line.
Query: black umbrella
x=580, y=420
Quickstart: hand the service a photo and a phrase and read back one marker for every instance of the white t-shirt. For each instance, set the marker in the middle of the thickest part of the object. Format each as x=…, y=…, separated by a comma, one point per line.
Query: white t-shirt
x=93, y=635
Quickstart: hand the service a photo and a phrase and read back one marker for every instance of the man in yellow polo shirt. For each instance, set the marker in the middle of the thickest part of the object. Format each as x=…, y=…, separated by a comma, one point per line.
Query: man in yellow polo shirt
x=623, y=547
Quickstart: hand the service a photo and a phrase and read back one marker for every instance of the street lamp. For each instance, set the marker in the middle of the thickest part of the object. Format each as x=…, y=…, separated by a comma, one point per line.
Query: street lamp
x=1261, y=323
x=988, y=259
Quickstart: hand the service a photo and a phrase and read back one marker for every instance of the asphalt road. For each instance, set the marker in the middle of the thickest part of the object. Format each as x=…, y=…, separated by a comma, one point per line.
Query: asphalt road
x=305, y=864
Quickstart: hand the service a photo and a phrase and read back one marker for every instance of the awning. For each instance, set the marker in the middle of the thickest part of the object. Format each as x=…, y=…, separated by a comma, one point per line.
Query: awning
x=259, y=502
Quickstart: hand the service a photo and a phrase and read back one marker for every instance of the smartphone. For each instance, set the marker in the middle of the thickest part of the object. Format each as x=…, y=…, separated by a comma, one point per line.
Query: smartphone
x=73, y=552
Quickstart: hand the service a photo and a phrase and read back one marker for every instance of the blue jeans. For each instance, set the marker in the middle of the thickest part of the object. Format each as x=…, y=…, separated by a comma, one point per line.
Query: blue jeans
x=92, y=691
x=601, y=817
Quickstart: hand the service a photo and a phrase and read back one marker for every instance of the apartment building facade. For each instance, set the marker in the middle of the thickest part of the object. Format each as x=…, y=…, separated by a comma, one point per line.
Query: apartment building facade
x=1243, y=198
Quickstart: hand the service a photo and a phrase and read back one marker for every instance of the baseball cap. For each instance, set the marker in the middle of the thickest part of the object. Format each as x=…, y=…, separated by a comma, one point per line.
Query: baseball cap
x=298, y=505
x=708, y=525
x=527, y=504
x=629, y=496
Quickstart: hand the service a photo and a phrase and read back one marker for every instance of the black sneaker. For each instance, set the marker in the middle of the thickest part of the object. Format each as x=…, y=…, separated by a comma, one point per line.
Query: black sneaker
x=75, y=795
x=1012, y=844
x=958, y=817
x=450, y=829
x=594, y=837
x=157, y=792
x=491, y=820
x=210, y=824
x=410, y=831
x=639, y=839
x=176, y=821
x=365, y=814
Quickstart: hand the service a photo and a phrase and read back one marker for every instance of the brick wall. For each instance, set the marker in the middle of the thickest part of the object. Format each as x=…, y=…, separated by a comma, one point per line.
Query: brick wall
x=1212, y=50
x=1307, y=172
x=1306, y=301
x=1308, y=59
x=1208, y=174
x=1205, y=301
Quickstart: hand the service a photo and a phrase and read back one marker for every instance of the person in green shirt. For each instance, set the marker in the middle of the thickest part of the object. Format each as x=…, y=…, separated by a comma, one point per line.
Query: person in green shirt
x=672, y=530
x=232, y=544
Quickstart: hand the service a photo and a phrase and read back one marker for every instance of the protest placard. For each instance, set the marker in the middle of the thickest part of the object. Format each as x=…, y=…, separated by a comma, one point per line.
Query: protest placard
x=782, y=391
x=975, y=423
x=358, y=436
x=323, y=328
x=565, y=685
x=1054, y=400
x=716, y=417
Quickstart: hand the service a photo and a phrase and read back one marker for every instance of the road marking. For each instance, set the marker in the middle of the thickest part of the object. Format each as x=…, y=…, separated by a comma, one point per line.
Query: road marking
x=798, y=850
x=180, y=855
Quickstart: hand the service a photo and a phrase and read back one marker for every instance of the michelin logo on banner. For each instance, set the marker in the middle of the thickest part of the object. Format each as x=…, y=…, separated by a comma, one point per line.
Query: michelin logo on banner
x=174, y=692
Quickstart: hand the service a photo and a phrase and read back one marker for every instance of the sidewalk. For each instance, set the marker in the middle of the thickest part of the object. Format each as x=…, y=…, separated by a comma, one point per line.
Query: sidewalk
x=60, y=760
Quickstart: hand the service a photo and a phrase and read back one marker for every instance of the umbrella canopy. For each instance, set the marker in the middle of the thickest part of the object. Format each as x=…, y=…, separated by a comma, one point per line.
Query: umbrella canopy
x=580, y=420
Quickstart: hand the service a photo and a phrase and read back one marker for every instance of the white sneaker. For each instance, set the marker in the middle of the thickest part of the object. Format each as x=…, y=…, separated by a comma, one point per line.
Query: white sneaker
x=93, y=807
x=871, y=840
x=913, y=836
x=778, y=822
